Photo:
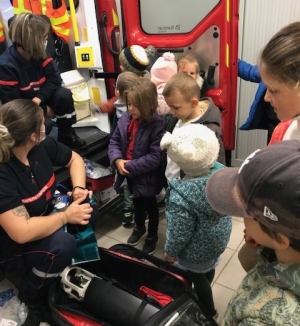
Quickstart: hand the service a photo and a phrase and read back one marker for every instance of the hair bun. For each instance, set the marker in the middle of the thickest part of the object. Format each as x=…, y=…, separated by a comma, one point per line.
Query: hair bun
x=3, y=131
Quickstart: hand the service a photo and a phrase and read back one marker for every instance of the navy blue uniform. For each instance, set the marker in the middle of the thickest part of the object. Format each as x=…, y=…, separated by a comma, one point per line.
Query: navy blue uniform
x=44, y=259
x=21, y=78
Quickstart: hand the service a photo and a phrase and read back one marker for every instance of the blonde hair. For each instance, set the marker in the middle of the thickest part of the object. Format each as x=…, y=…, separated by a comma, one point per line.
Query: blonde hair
x=124, y=82
x=18, y=120
x=29, y=31
x=183, y=83
x=188, y=58
x=145, y=97
x=280, y=57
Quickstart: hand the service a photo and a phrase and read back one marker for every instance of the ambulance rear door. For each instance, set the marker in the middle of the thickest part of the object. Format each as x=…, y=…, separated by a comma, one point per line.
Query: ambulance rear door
x=207, y=29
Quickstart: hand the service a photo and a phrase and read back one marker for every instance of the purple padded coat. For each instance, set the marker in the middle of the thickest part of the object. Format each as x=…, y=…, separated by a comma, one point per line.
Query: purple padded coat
x=145, y=173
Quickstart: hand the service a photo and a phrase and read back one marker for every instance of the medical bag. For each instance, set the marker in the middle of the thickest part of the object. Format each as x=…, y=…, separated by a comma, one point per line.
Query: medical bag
x=126, y=291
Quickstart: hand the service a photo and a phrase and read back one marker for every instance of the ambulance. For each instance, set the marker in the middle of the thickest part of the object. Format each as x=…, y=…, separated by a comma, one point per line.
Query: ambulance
x=87, y=45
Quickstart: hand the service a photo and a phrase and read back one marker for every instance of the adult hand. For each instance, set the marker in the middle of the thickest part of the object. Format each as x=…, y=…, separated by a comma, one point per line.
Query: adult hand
x=169, y=259
x=79, y=213
x=80, y=192
x=120, y=165
x=36, y=100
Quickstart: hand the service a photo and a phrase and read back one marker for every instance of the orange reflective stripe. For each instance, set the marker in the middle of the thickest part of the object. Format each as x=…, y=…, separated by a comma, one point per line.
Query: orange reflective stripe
x=2, y=35
x=59, y=18
x=27, y=6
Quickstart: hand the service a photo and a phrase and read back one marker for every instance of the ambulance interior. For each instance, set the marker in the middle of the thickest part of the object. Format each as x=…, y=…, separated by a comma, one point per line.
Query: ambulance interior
x=89, y=66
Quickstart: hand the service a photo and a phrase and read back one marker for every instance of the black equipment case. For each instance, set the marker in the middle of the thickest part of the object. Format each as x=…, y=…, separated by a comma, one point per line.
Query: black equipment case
x=115, y=296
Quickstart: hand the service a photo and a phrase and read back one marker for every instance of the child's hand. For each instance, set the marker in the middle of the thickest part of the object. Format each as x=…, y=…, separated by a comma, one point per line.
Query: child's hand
x=95, y=108
x=250, y=240
x=169, y=259
x=120, y=165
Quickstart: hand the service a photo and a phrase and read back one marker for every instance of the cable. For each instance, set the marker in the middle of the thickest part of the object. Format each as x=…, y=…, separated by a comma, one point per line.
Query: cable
x=104, y=22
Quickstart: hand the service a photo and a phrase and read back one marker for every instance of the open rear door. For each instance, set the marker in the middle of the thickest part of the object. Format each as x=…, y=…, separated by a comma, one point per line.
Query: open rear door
x=208, y=29
x=110, y=39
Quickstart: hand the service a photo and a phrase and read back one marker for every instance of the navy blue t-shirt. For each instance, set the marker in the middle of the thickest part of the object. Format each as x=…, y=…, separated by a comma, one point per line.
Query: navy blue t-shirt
x=17, y=187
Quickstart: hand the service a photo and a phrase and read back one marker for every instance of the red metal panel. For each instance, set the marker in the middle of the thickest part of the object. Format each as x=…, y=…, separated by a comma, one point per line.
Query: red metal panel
x=106, y=11
x=225, y=16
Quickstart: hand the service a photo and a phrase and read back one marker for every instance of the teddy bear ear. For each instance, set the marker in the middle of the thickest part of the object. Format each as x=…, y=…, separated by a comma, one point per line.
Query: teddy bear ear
x=166, y=140
x=187, y=150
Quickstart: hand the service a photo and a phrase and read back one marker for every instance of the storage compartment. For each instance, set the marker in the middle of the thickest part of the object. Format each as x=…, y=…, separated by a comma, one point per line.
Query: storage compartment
x=74, y=81
x=100, y=184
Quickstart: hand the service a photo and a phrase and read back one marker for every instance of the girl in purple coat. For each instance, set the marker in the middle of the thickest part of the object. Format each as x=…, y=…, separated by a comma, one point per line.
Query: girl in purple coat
x=134, y=150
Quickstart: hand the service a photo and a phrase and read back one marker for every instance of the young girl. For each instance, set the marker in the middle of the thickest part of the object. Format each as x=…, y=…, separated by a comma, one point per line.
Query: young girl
x=123, y=83
x=135, y=152
x=134, y=59
x=196, y=235
x=190, y=66
x=161, y=72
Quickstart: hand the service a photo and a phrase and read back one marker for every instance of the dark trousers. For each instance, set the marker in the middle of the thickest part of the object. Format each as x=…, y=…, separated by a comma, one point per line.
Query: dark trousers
x=40, y=262
x=149, y=205
x=202, y=286
x=62, y=104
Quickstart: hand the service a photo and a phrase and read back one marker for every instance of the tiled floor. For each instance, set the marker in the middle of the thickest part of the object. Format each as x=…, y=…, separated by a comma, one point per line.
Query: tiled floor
x=229, y=272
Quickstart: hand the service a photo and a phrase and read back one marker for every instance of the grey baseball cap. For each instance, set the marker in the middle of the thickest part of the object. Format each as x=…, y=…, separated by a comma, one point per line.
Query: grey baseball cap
x=266, y=187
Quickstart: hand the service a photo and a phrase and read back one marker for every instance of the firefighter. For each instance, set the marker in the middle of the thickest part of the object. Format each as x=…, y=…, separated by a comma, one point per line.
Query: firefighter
x=27, y=72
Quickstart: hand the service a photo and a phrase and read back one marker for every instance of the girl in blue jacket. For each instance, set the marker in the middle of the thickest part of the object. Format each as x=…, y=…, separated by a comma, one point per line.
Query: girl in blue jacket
x=261, y=115
x=135, y=152
x=196, y=234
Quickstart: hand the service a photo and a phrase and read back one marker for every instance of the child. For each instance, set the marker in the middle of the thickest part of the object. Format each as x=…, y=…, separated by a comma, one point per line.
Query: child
x=182, y=95
x=196, y=236
x=190, y=66
x=279, y=70
x=134, y=59
x=161, y=72
x=265, y=191
x=261, y=114
x=134, y=151
x=125, y=80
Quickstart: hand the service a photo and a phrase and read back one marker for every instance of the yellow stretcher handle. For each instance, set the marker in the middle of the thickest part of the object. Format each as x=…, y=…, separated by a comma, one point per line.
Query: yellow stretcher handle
x=74, y=22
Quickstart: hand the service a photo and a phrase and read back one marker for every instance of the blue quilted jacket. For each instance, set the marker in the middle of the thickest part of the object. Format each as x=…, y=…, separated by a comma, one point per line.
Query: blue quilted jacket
x=195, y=233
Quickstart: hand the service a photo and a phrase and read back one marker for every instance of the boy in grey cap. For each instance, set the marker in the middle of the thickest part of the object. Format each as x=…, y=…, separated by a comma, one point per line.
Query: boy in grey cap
x=265, y=190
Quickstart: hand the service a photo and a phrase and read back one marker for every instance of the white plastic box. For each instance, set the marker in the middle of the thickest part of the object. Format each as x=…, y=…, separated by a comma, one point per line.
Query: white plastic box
x=74, y=81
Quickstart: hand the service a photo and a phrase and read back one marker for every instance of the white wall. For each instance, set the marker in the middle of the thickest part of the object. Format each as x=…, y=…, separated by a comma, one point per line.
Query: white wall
x=259, y=21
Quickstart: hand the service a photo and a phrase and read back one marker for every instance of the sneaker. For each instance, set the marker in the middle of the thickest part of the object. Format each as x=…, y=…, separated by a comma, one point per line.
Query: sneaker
x=135, y=237
x=127, y=217
x=150, y=245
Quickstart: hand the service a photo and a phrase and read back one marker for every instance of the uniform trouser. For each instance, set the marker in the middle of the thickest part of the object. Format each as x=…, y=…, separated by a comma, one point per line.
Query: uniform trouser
x=202, y=285
x=41, y=262
x=149, y=205
x=62, y=104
